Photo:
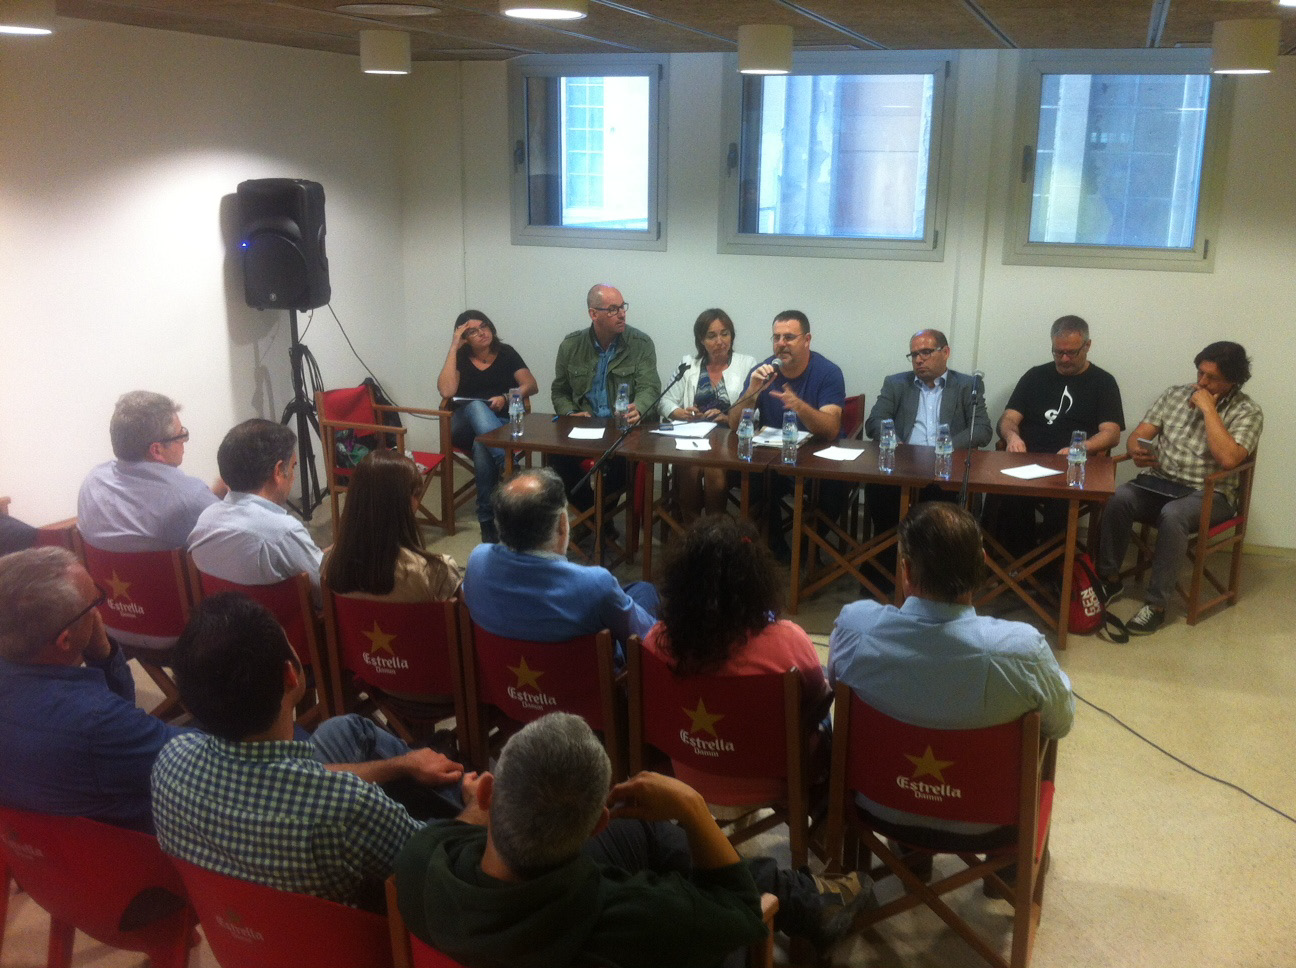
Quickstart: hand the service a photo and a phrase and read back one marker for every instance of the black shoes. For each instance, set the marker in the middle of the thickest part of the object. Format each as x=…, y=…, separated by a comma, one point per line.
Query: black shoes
x=1147, y=621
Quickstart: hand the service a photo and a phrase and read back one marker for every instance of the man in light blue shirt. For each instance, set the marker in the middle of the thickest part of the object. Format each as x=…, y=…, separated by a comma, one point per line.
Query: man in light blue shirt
x=249, y=537
x=525, y=588
x=934, y=662
x=142, y=501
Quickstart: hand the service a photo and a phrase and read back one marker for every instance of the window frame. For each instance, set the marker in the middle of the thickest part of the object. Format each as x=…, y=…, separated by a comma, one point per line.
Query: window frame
x=1019, y=250
x=652, y=66
x=942, y=65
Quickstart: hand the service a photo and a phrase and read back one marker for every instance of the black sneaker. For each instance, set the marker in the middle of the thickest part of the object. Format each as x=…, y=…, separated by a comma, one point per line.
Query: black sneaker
x=843, y=897
x=1147, y=621
x=1109, y=591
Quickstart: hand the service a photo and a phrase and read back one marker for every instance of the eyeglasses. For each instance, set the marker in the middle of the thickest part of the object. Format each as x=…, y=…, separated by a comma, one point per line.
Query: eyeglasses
x=98, y=600
x=786, y=337
x=613, y=310
x=920, y=354
x=180, y=438
x=1070, y=354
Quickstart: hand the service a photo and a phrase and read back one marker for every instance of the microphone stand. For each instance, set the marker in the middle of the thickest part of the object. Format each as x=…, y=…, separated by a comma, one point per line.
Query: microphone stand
x=616, y=444
x=967, y=460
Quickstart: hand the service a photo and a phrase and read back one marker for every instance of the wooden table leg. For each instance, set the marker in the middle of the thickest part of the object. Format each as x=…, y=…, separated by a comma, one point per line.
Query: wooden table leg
x=1068, y=561
x=798, y=494
x=646, y=516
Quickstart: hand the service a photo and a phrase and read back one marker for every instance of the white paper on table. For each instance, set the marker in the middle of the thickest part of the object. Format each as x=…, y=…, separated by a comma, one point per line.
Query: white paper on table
x=1029, y=472
x=690, y=429
x=587, y=433
x=839, y=453
x=773, y=437
x=687, y=443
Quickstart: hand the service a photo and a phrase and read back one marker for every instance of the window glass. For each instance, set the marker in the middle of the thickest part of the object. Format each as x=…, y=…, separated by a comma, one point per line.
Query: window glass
x=586, y=156
x=1118, y=159
x=842, y=155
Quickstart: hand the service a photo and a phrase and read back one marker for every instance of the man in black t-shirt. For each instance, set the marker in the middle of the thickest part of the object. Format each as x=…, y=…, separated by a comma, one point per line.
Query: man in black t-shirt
x=1049, y=402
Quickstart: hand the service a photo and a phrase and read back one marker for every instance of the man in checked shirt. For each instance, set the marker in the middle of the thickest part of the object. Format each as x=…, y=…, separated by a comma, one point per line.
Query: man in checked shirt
x=1192, y=431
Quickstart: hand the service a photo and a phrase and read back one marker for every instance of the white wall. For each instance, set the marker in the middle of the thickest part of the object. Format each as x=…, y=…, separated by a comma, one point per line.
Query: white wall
x=120, y=152
x=121, y=146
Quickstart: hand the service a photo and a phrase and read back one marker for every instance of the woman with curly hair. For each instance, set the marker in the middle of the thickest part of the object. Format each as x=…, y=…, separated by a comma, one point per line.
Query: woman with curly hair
x=720, y=600
x=378, y=551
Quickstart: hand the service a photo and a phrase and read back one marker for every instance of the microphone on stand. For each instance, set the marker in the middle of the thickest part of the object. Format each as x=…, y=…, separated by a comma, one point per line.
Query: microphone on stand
x=978, y=378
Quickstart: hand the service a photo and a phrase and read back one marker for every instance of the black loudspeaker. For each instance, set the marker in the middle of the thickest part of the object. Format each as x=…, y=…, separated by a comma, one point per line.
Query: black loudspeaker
x=281, y=235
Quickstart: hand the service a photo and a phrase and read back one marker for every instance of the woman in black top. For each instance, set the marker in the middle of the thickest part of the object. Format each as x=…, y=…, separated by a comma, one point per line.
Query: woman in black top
x=480, y=370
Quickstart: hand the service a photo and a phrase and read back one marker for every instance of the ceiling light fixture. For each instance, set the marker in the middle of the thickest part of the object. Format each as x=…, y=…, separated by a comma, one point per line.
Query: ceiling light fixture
x=389, y=9
x=764, y=49
x=545, y=9
x=1244, y=46
x=27, y=18
x=384, y=52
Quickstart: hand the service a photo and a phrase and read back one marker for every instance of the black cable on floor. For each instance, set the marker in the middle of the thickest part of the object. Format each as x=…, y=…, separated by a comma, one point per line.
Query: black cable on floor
x=1161, y=749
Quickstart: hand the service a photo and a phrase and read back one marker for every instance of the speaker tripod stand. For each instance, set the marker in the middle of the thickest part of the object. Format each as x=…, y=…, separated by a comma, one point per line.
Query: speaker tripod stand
x=302, y=410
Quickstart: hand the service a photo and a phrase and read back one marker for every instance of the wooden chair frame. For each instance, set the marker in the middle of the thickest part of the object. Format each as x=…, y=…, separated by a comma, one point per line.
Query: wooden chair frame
x=1028, y=849
x=405, y=725
x=310, y=713
x=793, y=809
x=484, y=715
x=1227, y=536
x=443, y=469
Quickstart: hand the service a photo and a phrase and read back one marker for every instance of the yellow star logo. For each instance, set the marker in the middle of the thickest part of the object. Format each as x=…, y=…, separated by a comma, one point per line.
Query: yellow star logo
x=120, y=589
x=526, y=676
x=703, y=721
x=379, y=640
x=928, y=765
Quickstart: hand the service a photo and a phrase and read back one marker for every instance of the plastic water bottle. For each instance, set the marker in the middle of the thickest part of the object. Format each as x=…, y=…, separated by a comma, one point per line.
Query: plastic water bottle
x=623, y=407
x=516, y=410
x=944, y=452
x=746, y=431
x=1076, y=458
x=887, y=447
x=789, y=437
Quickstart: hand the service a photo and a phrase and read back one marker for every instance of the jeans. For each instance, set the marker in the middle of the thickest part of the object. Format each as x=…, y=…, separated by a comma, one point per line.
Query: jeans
x=1176, y=521
x=355, y=739
x=468, y=423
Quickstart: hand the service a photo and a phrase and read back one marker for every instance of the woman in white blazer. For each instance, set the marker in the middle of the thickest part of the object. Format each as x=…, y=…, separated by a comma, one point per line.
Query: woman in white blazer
x=714, y=381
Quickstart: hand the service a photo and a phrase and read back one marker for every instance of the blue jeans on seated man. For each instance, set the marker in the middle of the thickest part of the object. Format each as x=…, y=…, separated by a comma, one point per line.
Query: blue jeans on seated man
x=357, y=739
x=468, y=423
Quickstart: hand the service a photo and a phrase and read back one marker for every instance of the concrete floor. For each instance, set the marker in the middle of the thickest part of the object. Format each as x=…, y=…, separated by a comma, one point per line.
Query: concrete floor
x=1153, y=865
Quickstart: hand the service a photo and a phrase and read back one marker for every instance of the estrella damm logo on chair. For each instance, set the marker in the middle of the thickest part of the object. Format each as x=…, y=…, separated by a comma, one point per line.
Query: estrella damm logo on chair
x=229, y=921
x=119, y=599
x=701, y=721
x=528, y=679
x=928, y=765
x=380, y=642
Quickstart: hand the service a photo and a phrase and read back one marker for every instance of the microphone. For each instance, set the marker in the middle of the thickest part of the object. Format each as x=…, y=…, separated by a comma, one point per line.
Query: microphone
x=680, y=372
x=777, y=363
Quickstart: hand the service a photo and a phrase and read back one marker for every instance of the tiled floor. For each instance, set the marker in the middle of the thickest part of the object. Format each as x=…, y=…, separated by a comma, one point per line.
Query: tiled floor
x=1153, y=865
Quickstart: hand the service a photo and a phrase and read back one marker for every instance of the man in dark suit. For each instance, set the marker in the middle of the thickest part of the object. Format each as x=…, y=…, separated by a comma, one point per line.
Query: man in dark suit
x=919, y=401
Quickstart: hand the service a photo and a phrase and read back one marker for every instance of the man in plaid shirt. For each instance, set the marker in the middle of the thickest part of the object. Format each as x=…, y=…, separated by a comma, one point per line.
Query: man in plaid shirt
x=250, y=801
x=1193, y=430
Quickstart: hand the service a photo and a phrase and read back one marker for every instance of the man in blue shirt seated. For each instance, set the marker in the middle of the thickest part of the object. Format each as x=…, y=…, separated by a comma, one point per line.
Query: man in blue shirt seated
x=525, y=588
x=934, y=662
x=72, y=741
x=546, y=866
x=798, y=379
x=251, y=800
x=142, y=501
x=249, y=537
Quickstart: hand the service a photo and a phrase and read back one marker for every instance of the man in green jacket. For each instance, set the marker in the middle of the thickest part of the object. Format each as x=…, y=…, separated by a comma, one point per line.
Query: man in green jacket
x=591, y=366
x=546, y=869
